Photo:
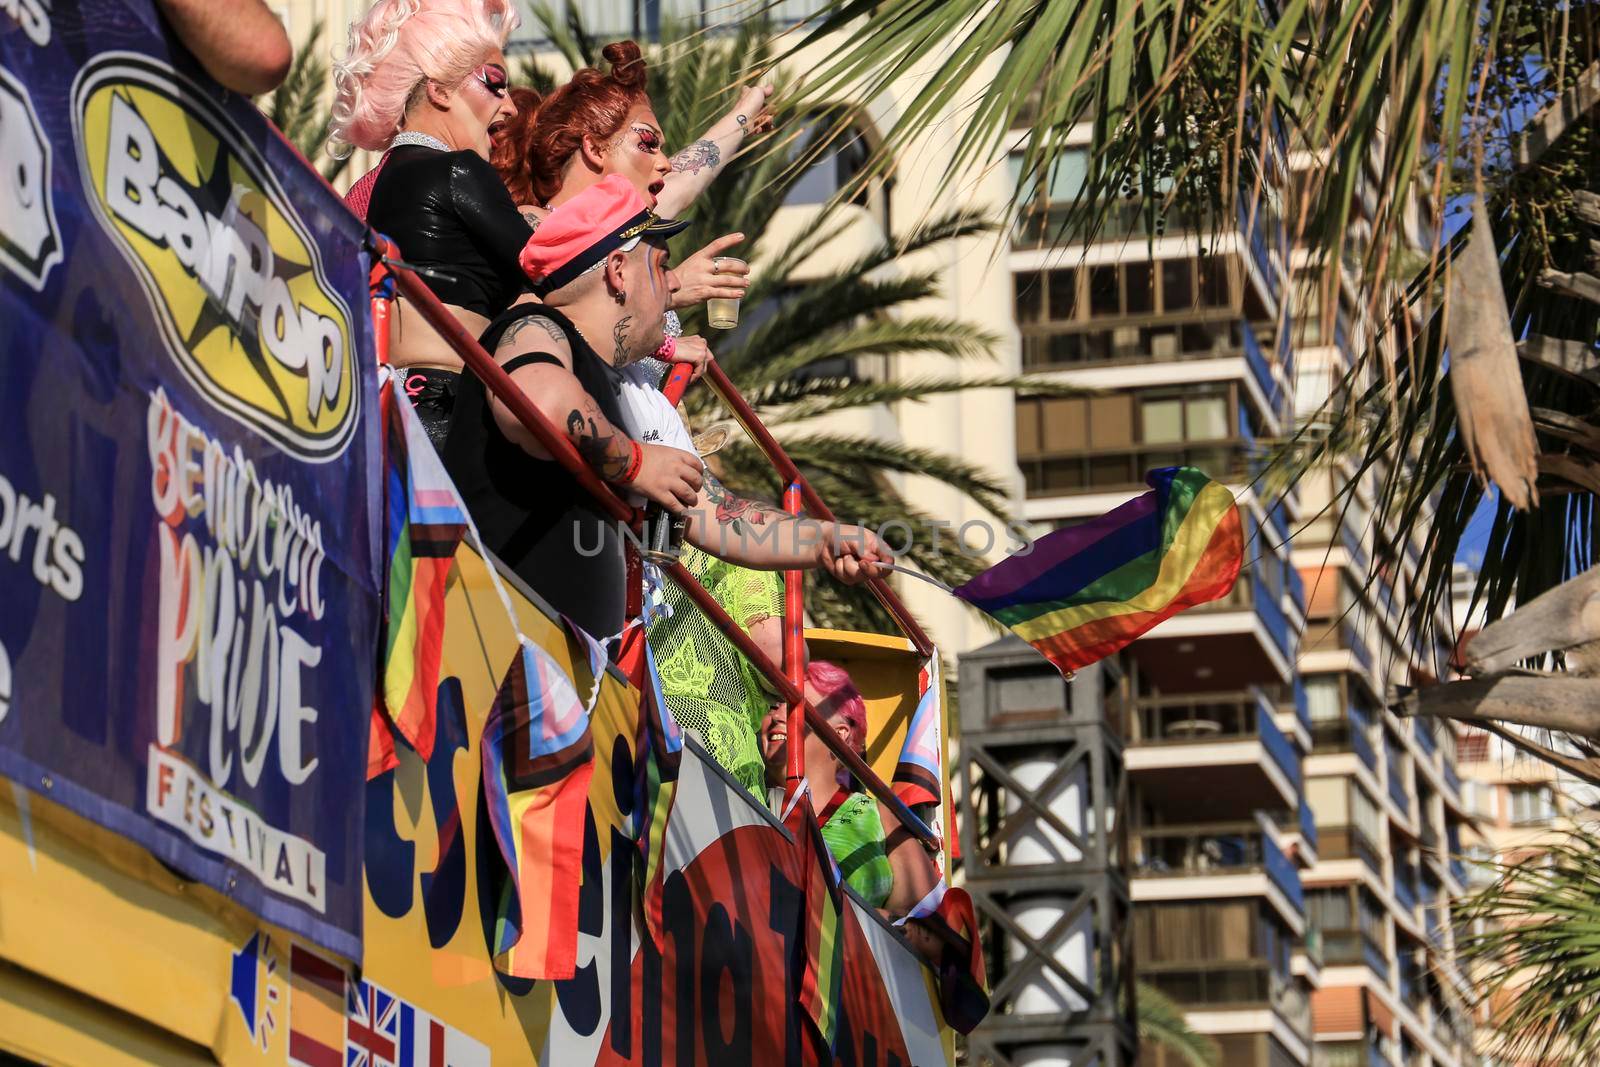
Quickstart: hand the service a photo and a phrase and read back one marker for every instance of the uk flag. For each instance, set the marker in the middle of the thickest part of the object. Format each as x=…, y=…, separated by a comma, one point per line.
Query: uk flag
x=371, y=1026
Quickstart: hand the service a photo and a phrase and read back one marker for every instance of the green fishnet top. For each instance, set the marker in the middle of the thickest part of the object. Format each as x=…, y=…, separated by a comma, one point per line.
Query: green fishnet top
x=712, y=689
x=854, y=834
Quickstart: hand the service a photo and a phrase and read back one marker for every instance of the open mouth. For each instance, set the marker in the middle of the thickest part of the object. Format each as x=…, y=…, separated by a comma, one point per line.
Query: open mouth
x=656, y=186
x=496, y=128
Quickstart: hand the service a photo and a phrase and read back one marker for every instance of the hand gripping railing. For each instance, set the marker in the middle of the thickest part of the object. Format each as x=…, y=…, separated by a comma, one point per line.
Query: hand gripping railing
x=498, y=382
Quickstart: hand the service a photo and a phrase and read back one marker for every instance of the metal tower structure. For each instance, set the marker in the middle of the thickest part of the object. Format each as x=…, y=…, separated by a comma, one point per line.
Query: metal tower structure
x=1042, y=770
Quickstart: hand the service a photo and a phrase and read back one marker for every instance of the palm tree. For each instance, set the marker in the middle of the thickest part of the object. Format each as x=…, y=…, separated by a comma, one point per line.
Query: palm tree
x=1161, y=1022
x=1532, y=945
x=800, y=352
x=1453, y=159
x=297, y=107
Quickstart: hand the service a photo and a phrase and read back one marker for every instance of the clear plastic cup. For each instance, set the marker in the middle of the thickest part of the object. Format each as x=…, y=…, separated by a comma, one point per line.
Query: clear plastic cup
x=721, y=313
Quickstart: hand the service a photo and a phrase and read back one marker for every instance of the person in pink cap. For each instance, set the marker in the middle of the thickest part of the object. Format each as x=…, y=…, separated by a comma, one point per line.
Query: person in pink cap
x=600, y=266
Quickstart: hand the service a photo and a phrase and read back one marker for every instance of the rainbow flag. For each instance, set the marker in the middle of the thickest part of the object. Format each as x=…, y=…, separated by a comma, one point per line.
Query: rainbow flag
x=538, y=757
x=661, y=745
x=1085, y=591
x=825, y=917
x=423, y=525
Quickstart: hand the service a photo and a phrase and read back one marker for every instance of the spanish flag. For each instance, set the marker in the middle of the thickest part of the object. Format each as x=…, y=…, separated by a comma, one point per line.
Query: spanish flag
x=1085, y=591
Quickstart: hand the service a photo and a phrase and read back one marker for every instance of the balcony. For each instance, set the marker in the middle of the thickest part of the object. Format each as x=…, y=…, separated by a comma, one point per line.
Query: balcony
x=1243, y=639
x=1396, y=775
x=1422, y=730
x=1120, y=219
x=1348, y=842
x=1451, y=778
x=1231, y=986
x=1226, y=460
x=1308, y=826
x=1179, y=743
x=1260, y=366
x=1343, y=948
x=1064, y=346
x=1222, y=859
x=1346, y=734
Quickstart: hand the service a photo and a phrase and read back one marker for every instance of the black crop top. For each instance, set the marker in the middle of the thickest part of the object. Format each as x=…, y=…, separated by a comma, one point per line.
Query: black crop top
x=531, y=512
x=450, y=212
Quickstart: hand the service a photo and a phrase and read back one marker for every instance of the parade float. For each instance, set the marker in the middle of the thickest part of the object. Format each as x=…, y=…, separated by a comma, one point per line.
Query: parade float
x=223, y=838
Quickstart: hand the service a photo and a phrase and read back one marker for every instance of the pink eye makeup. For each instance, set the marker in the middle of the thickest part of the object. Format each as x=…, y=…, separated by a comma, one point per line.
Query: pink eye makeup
x=649, y=140
x=493, y=78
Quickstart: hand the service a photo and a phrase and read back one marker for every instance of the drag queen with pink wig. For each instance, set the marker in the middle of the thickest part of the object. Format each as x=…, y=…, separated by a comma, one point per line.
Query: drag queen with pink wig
x=425, y=82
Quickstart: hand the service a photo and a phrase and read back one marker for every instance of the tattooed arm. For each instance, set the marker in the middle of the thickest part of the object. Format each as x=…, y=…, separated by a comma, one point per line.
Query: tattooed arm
x=697, y=166
x=667, y=476
x=763, y=537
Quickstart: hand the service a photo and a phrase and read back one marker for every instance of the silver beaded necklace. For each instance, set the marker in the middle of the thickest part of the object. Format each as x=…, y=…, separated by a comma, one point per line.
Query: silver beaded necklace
x=426, y=140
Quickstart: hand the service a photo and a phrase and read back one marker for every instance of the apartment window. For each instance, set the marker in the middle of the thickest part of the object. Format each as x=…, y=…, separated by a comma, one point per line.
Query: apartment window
x=1177, y=284
x=1104, y=295
x=1168, y=420
x=1063, y=294
x=1029, y=297
x=1324, y=699
x=1532, y=804
x=1365, y=815
x=1139, y=288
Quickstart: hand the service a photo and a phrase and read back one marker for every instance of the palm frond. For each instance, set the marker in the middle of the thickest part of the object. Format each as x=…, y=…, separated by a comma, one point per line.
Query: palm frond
x=1535, y=942
x=296, y=106
x=1161, y=1022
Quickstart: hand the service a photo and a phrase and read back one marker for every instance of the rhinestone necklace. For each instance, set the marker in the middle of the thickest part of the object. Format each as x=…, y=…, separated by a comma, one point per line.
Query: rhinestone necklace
x=424, y=139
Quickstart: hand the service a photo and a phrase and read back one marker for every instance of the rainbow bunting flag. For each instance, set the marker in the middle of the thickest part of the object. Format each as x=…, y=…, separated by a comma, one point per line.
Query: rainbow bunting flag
x=538, y=758
x=424, y=521
x=661, y=745
x=1085, y=591
x=825, y=916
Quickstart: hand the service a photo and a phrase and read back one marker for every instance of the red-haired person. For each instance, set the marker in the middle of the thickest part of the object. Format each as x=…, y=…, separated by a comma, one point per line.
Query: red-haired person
x=880, y=859
x=426, y=81
x=602, y=123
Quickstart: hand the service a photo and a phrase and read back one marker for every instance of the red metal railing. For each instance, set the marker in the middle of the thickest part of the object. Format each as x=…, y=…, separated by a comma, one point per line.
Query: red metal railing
x=788, y=684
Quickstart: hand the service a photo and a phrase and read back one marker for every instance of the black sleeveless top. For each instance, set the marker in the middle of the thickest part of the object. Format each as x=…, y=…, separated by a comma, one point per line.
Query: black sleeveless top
x=450, y=212
x=531, y=512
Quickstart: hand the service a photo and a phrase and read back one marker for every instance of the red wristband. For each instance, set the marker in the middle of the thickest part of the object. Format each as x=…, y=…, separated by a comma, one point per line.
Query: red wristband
x=634, y=463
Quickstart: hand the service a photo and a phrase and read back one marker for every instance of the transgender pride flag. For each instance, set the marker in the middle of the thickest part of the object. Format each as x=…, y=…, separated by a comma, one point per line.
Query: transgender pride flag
x=538, y=757
x=919, y=774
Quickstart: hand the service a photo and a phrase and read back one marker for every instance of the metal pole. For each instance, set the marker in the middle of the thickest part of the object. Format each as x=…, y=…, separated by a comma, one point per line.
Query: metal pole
x=794, y=650
x=746, y=416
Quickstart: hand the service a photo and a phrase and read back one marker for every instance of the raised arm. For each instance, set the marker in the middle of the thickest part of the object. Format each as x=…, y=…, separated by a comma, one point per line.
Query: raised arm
x=694, y=168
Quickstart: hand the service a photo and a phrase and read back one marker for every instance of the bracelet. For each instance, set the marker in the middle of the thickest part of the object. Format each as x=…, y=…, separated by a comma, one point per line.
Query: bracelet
x=635, y=461
x=668, y=347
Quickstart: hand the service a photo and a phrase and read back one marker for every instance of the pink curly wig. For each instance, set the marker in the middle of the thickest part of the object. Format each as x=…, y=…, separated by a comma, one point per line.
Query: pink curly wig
x=396, y=48
x=845, y=702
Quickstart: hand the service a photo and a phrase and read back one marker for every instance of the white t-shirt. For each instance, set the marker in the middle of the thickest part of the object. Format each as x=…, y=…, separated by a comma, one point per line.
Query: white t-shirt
x=650, y=417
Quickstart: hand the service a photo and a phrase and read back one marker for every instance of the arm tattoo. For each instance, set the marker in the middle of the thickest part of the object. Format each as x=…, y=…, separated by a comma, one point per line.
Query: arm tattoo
x=732, y=510
x=607, y=454
x=697, y=157
x=523, y=323
x=619, y=334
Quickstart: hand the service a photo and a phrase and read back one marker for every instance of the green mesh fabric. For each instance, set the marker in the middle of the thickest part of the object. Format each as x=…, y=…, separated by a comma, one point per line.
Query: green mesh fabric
x=854, y=834
x=712, y=689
